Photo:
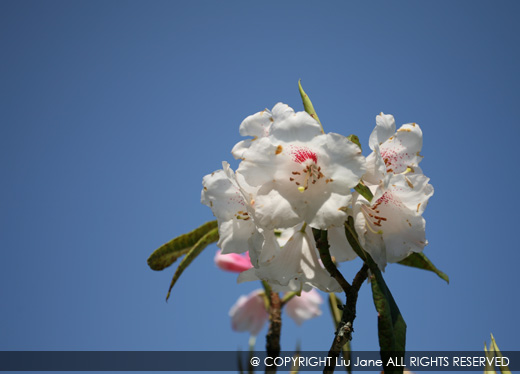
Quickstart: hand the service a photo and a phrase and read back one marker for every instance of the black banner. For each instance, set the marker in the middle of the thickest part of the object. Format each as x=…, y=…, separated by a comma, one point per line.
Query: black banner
x=211, y=361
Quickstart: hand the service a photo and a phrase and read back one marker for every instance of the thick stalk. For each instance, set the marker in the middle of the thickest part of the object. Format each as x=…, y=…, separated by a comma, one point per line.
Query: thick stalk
x=345, y=327
x=275, y=329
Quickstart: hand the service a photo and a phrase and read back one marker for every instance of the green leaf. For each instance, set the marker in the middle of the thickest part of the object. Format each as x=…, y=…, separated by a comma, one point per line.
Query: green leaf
x=494, y=347
x=420, y=261
x=168, y=253
x=354, y=139
x=490, y=355
x=210, y=237
x=364, y=191
x=391, y=325
x=295, y=367
x=307, y=104
x=334, y=310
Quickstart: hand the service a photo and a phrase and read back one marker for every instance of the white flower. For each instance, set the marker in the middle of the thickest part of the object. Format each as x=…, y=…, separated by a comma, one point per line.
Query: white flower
x=230, y=203
x=393, y=152
x=259, y=124
x=301, y=174
x=391, y=226
x=294, y=266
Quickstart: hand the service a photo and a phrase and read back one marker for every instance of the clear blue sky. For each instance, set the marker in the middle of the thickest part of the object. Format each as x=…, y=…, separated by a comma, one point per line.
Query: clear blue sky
x=113, y=111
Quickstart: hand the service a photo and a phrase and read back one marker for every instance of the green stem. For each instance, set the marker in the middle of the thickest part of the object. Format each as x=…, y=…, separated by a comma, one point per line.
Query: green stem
x=288, y=296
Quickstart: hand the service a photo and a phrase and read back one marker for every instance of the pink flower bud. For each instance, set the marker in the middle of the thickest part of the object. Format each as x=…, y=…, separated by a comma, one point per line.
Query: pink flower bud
x=248, y=313
x=305, y=306
x=233, y=262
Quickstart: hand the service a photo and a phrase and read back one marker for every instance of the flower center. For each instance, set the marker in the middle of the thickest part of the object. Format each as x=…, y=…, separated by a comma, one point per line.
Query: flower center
x=372, y=214
x=302, y=154
x=310, y=173
x=394, y=158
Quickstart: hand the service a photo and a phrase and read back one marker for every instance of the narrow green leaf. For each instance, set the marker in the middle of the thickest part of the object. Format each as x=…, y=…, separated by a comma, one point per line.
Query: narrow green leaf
x=391, y=325
x=494, y=347
x=352, y=238
x=334, y=310
x=307, y=104
x=488, y=369
x=239, y=362
x=202, y=243
x=295, y=367
x=420, y=261
x=167, y=253
x=364, y=191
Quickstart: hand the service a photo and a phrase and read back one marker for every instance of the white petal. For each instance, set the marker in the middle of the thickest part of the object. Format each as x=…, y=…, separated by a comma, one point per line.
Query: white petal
x=375, y=246
x=257, y=125
x=327, y=207
x=281, y=111
x=261, y=161
x=247, y=276
x=376, y=168
x=340, y=248
x=234, y=213
x=276, y=208
x=413, y=190
x=222, y=195
x=340, y=159
x=239, y=148
x=234, y=235
x=385, y=128
x=298, y=126
x=402, y=150
x=403, y=230
x=297, y=261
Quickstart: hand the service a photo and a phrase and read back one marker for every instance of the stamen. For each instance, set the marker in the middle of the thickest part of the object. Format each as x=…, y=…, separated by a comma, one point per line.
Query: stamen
x=366, y=212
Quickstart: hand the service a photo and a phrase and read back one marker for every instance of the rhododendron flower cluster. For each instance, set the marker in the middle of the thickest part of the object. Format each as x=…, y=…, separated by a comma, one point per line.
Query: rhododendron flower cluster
x=293, y=177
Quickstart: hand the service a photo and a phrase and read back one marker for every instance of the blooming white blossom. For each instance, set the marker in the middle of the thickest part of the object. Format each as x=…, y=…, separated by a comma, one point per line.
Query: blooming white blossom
x=301, y=174
x=230, y=203
x=292, y=266
x=393, y=151
x=391, y=226
x=293, y=177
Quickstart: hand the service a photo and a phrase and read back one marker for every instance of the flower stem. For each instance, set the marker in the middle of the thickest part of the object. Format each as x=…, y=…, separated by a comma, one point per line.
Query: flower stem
x=323, y=247
x=345, y=326
x=275, y=329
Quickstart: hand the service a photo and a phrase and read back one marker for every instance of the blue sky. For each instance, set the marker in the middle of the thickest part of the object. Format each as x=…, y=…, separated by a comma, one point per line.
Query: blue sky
x=112, y=112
